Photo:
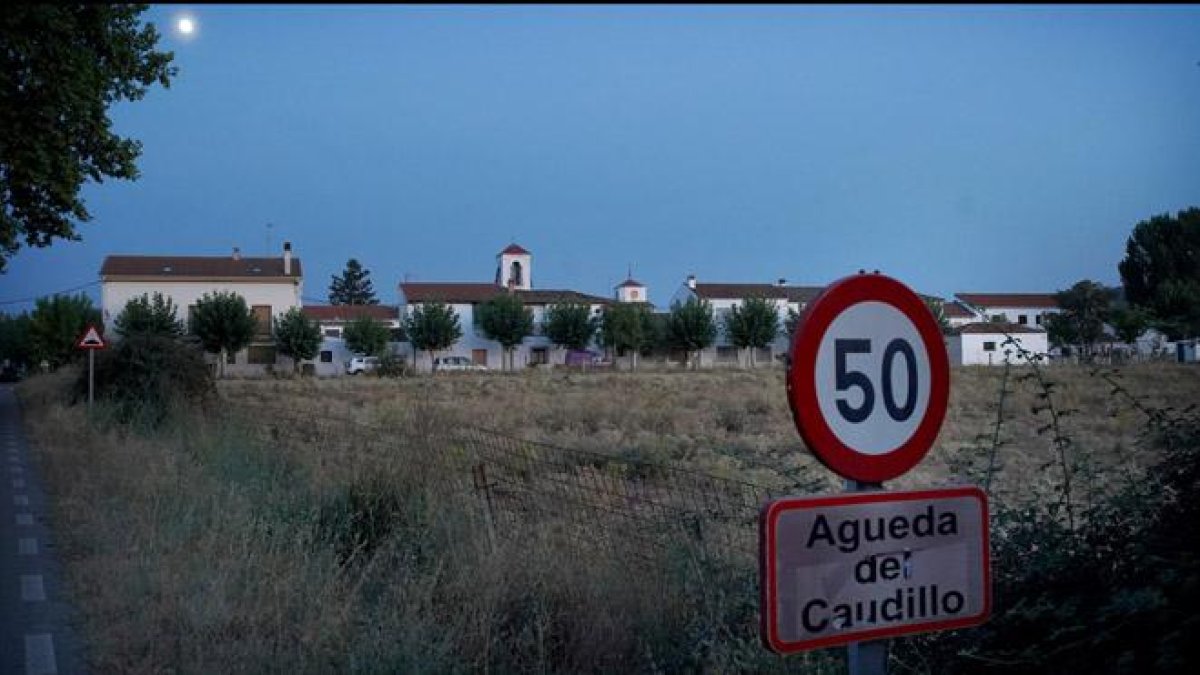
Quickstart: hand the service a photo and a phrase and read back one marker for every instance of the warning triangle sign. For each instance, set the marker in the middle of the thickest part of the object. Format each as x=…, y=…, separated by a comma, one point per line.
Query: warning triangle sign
x=91, y=339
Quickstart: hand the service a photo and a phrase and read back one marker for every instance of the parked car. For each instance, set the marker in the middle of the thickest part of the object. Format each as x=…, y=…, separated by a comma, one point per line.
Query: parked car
x=362, y=364
x=585, y=358
x=453, y=363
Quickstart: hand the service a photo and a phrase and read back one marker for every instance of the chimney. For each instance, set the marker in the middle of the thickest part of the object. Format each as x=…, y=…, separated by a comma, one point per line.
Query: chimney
x=691, y=282
x=237, y=253
x=782, y=281
x=287, y=258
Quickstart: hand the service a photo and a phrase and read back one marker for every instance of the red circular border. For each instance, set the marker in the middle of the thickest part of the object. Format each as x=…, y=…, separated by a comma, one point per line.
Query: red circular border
x=802, y=388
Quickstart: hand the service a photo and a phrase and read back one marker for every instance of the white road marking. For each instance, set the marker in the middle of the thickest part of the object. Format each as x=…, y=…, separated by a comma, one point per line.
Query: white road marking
x=20, y=500
x=32, y=588
x=39, y=655
x=24, y=519
x=19, y=483
x=27, y=546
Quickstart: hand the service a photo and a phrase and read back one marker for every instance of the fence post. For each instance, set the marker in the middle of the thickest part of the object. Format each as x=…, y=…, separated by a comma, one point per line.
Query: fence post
x=484, y=489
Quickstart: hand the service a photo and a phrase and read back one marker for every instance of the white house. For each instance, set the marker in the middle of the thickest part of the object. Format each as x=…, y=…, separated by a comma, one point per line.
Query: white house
x=984, y=344
x=1023, y=309
x=514, y=268
x=271, y=286
x=331, y=360
x=723, y=297
x=957, y=314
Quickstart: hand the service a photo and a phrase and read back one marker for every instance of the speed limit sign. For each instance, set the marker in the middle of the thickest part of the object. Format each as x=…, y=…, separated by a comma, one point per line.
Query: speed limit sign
x=869, y=378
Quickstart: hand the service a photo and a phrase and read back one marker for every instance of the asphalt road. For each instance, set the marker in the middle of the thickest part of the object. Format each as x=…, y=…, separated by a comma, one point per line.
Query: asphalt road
x=35, y=621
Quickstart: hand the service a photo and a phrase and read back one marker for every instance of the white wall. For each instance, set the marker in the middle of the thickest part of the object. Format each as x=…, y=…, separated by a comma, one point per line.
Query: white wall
x=969, y=349
x=1014, y=314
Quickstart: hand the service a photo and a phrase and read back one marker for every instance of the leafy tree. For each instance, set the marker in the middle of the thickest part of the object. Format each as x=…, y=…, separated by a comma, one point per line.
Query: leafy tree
x=752, y=325
x=353, y=287
x=1129, y=322
x=691, y=327
x=223, y=323
x=433, y=327
x=938, y=309
x=145, y=316
x=61, y=67
x=365, y=335
x=626, y=325
x=1085, y=308
x=1060, y=330
x=570, y=325
x=792, y=322
x=505, y=319
x=15, y=347
x=55, y=325
x=1161, y=271
x=297, y=336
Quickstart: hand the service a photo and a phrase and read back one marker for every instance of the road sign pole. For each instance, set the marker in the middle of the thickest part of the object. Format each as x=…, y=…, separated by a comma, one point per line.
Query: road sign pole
x=866, y=658
x=91, y=377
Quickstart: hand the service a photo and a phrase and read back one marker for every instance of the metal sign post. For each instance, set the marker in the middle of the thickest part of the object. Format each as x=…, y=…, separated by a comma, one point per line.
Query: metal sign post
x=91, y=340
x=866, y=658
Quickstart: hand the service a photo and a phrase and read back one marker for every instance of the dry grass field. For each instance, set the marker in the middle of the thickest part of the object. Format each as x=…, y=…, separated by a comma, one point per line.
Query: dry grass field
x=209, y=546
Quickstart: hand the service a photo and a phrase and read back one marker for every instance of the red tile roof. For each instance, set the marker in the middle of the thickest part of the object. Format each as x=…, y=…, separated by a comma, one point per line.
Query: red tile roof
x=1041, y=300
x=514, y=249
x=954, y=310
x=351, y=312
x=471, y=293
x=995, y=328
x=738, y=291
x=190, y=267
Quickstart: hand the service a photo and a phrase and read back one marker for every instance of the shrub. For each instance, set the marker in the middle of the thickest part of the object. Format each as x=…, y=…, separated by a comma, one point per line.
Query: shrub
x=391, y=365
x=144, y=376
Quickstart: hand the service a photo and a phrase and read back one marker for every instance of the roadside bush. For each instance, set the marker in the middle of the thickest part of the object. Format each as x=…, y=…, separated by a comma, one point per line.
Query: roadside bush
x=1119, y=594
x=145, y=376
x=392, y=366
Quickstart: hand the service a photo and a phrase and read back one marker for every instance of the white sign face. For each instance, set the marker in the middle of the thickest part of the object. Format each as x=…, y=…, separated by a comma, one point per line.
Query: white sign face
x=868, y=565
x=872, y=378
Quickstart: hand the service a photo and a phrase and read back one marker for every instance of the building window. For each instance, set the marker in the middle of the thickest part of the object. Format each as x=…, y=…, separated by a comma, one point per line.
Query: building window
x=1022, y=319
x=1038, y=319
x=231, y=358
x=333, y=332
x=989, y=346
x=326, y=356
x=539, y=356
x=633, y=294
x=727, y=354
x=260, y=355
x=262, y=318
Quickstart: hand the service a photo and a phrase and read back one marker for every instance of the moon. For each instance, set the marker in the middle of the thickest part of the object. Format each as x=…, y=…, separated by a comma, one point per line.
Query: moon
x=186, y=25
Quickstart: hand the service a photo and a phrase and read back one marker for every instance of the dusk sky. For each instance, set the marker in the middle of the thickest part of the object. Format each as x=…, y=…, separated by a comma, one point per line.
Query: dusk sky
x=958, y=149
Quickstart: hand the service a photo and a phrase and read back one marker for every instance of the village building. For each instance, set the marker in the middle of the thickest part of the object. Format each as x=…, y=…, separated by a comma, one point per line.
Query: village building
x=985, y=343
x=723, y=297
x=1023, y=309
x=332, y=319
x=270, y=286
x=514, y=274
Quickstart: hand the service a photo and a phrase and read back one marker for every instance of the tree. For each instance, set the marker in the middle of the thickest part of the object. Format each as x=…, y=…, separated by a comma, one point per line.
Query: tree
x=15, y=347
x=366, y=336
x=353, y=287
x=1060, y=330
x=570, y=325
x=752, y=325
x=433, y=327
x=145, y=316
x=505, y=319
x=297, y=336
x=938, y=309
x=61, y=67
x=1161, y=271
x=223, y=323
x=792, y=323
x=1085, y=308
x=627, y=326
x=691, y=327
x=55, y=325
x=1129, y=322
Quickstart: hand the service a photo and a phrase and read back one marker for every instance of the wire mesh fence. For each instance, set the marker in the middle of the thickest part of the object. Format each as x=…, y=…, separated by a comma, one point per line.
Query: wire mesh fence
x=611, y=504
